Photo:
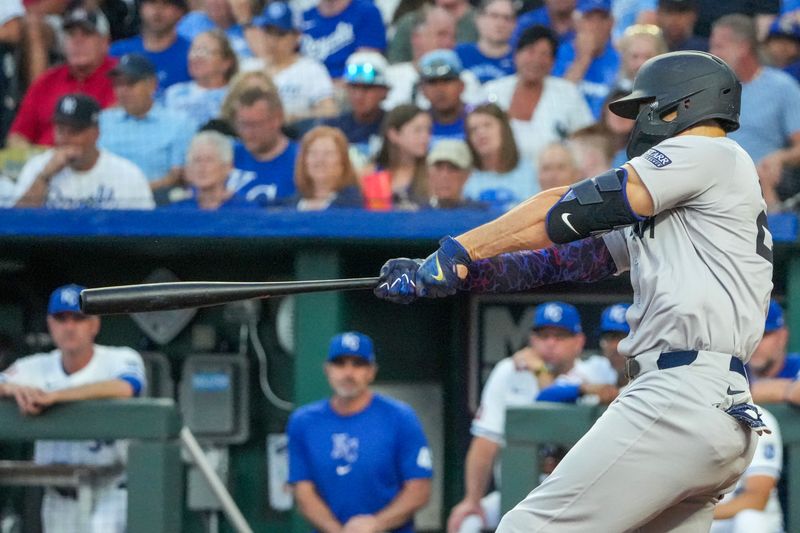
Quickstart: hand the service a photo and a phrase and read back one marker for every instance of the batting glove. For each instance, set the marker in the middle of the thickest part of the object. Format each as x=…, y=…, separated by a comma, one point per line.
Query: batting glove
x=396, y=282
x=437, y=276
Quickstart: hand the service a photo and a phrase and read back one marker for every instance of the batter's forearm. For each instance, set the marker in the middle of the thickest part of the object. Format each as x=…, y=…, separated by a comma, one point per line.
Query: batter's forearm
x=585, y=260
x=413, y=497
x=522, y=228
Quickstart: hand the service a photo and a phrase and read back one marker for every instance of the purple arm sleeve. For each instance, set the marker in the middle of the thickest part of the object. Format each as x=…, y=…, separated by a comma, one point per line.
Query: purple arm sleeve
x=584, y=260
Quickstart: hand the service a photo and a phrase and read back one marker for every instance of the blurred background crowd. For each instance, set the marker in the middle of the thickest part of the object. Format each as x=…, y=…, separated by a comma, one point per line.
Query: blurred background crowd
x=391, y=104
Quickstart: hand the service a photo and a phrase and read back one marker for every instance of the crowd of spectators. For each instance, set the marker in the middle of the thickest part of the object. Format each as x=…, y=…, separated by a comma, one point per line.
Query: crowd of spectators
x=342, y=103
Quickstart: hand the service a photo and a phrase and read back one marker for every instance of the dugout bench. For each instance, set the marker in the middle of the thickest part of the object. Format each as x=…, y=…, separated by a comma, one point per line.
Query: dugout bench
x=527, y=428
x=155, y=471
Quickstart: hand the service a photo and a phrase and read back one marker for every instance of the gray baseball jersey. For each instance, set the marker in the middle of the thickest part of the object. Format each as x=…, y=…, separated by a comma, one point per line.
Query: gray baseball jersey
x=701, y=268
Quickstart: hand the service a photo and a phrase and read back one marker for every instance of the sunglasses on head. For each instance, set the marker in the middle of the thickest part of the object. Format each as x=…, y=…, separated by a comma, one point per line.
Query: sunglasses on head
x=364, y=73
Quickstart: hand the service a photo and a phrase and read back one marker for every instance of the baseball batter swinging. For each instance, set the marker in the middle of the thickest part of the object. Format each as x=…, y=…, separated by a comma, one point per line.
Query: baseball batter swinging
x=686, y=217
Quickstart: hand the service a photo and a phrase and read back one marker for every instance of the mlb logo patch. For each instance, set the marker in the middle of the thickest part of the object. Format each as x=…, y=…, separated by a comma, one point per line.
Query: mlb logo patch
x=658, y=159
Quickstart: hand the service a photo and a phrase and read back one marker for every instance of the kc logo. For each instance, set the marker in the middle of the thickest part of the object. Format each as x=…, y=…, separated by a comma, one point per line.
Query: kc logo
x=351, y=342
x=70, y=297
x=553, y=313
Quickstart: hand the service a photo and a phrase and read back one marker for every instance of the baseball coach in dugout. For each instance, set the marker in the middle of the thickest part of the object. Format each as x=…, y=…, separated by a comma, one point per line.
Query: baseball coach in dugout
x=686, y=217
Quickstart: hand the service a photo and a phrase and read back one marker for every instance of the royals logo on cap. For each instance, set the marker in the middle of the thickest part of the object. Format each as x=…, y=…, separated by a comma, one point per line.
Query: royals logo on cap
x=65, y=299
x=351, y=343
x=557, y=315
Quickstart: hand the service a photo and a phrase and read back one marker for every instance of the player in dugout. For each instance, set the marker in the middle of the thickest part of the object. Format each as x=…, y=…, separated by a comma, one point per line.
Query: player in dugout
x=78, y=369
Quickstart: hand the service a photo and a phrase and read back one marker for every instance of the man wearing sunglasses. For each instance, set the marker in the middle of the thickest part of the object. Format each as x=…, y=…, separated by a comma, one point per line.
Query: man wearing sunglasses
x=78, y=369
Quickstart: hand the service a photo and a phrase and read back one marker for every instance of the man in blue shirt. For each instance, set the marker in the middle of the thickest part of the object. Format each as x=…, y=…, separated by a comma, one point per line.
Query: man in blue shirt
x=677, y=19
x=263, y=161
x=159, y=41
x=151, y=136
x=440, y=77
x=769, y=125
x=490, y=58
x=334, y=29
x=590, y=59
x=359, y=460
x=367, y=87
x=554, y=14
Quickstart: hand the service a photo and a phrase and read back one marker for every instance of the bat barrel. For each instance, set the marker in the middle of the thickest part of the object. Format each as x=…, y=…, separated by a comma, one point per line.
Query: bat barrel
x=169, y=296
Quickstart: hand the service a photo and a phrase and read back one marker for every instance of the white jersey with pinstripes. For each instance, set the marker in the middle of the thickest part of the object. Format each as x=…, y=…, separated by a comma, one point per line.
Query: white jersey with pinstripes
x=701, y=268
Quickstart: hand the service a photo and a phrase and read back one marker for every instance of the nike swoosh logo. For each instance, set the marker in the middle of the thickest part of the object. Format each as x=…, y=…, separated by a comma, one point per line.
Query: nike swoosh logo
x=732, y=392
x=565, y=219
x=439, y=276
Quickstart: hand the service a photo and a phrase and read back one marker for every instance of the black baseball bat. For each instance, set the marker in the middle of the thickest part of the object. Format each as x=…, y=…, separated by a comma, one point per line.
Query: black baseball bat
x=181, y=295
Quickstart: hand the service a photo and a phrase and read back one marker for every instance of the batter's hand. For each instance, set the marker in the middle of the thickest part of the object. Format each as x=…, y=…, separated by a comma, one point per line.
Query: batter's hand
x=438, y=275
x=396, y=282
x=461, y=511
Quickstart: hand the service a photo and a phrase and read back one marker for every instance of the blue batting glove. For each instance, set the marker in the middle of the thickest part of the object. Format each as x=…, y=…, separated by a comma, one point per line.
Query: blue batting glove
x=437, y=276
x=396, y=283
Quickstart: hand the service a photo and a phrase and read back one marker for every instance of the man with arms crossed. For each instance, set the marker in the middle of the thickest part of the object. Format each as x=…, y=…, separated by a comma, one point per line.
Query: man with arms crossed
x=685, y=215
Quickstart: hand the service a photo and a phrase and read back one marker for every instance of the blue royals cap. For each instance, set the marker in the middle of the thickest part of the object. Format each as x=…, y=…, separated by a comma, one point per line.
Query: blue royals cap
x=351, y=343
x=585, y=6
x=613, y=319
x=440, y=64
x=774, y=317
x=557, y=315
x=65, y=299
x=277, y=15
x=787, y=25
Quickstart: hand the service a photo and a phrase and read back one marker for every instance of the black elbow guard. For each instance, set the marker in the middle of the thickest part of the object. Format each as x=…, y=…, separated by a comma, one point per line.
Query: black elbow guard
x=591, y=207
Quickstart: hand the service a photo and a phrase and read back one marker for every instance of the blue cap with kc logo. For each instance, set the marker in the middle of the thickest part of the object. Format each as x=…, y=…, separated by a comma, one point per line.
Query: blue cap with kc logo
x=613, y=319
x=351, y=343
x=557, y=315
x=774, y=317
x=65, y=299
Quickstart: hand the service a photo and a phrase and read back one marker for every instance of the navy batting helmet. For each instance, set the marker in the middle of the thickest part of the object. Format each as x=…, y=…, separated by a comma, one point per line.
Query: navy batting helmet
x=698, y=85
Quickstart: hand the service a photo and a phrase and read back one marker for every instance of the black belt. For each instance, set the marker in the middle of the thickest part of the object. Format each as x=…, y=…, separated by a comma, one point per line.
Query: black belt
x=675, y=359
x=72, y=492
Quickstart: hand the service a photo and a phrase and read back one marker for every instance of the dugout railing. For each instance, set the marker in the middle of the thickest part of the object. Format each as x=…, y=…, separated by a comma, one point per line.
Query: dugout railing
x=154, y=470
x=528, y=428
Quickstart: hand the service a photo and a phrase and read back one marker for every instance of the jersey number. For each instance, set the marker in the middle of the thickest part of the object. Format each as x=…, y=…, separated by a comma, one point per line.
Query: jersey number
x=763, y=238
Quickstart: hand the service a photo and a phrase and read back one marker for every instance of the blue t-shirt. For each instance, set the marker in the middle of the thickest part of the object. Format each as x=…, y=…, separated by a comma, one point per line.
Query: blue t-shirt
x=600, y=77
x=263, y=182
x=770, y=113
x=484, y=67
x=234, y=202
x=793, y=70
x=534, y=17
x=172, y=63
x=456, y=130
x=196, y=22
x=791, y=367
x=364, y=137
x=358, y=463
x=331, y=40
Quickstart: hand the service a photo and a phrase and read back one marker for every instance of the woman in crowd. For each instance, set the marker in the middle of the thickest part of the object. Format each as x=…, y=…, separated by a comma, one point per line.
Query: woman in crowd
x=323, y=174
x=208, y=163
x=501, y=177
x=543, y=109
x=399, y=180
x=639, y=43
x=212, y=64
x=304, y=84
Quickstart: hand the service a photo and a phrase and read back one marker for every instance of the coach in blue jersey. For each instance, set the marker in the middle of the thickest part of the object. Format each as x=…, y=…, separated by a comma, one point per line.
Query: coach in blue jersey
x=358, y=460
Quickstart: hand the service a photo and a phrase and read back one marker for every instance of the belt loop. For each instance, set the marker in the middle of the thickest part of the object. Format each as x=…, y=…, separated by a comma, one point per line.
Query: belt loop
x=632, y=368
